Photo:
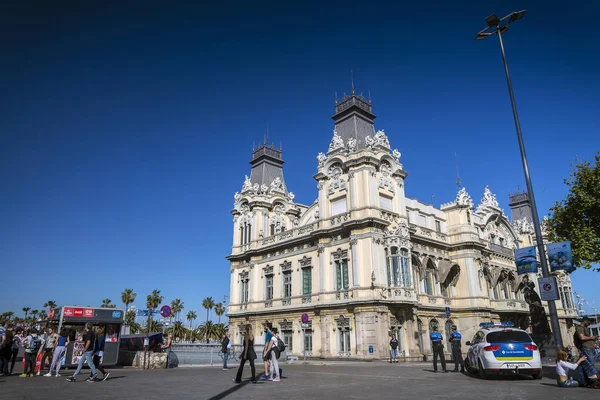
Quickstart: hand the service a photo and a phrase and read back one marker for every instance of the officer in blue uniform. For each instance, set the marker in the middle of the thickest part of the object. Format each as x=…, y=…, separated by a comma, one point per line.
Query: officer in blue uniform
x=437, y=344
x=455, y=339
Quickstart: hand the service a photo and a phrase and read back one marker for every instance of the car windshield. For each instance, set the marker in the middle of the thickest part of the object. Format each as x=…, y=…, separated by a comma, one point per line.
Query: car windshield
x=508, y=337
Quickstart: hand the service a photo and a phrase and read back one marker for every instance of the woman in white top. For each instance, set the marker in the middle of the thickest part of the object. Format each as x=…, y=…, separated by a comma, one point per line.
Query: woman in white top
x=562, y=368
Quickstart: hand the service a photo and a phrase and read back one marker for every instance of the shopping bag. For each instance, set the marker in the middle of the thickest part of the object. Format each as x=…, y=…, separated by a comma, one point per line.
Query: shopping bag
x=38, y=362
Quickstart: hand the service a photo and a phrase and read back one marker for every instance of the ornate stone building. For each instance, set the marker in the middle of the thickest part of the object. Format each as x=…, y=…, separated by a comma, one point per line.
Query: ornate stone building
x=365, y=261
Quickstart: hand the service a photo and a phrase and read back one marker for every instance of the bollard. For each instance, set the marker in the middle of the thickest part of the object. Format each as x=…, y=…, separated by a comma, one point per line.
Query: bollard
x=211, y=356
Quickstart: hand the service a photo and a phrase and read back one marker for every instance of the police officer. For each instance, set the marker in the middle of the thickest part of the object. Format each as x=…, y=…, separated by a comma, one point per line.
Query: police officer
x=437, y=343
x=455, y=339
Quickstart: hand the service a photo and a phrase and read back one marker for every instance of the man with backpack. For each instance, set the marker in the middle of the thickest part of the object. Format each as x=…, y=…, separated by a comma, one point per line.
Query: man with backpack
x=33, y=344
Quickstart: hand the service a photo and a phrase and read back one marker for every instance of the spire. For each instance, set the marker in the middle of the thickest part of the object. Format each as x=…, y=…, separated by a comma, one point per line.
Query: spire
x=267, y=168
x=353, y=118
x=352, y=79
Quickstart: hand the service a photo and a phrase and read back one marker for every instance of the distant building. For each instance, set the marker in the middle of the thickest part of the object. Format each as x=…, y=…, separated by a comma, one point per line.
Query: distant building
x=365, y=261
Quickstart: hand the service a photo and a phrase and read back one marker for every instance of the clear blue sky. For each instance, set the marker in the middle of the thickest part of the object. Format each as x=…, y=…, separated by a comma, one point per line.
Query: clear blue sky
x=126, y=129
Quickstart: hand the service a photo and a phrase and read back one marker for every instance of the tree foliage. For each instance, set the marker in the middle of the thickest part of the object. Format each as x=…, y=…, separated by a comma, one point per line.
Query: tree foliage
x=107, y=303
x=577, y=218
x=128, y=297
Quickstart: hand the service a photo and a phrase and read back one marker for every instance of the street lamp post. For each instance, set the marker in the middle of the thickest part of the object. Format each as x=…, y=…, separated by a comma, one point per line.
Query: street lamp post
x=499, y=26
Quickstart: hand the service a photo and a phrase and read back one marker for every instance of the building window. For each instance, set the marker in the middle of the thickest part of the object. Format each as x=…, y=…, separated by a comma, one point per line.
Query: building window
x=448, y=326
x=244, y=291
x=245, y=233
x=338, y=206
x=287, y=284
x=308, y=347
x=469, y=217
x=287, y=337
x=269, y=287
x=444, y=289
x=420, y=336
x=429, y=282
x=341, y=274
x=422, y=220
x=566, y=297
x=398, y=265
x=438, y=226
x=385, y=202
x=307, y=280
x=344, y=340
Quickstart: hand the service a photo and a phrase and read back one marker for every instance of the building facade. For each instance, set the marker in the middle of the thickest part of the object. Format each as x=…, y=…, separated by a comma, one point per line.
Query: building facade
x=364, y=261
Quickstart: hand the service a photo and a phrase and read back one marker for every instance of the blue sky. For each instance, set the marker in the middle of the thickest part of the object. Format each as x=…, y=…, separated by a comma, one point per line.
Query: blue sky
x=126, y=130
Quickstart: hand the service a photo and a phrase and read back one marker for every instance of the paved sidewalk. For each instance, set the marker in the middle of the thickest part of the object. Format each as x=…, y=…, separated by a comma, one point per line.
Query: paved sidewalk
x=351, y=380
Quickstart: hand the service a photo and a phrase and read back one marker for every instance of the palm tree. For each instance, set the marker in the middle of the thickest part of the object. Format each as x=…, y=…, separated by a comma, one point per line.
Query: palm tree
x=221, y=330
x=127, y=297
x=17, y=321
x=191, y=315
x=26, y=311
x=43, y=315
x=50, y=304
x=219, y=310
x=176, y=307
x=177, y=330
x=9, y=315
x=208, y=303
x=208, y=331
x=34, y=314
x=107, y=303
x=153, y=300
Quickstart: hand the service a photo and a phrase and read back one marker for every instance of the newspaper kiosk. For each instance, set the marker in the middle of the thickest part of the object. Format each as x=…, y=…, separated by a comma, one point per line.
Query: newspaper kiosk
x=74, y=319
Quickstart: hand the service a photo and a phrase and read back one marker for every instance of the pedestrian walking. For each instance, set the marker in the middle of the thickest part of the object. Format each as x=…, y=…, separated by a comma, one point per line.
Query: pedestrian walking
x=248, y=354
x=59, y=351
x=266, y=360
x=99, y=353
x=437, y=345
x=48, y=343
x=394, y=349
x=6, y=345
x=33, y=344
x=455, y=343
x=226, y=349
x=18, y=340
x=88, y=354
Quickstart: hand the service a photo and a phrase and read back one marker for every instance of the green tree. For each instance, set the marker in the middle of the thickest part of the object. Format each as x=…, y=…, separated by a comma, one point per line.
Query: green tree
x=50, y=304
x=191, y=316
x=176, y=308
x=208, y=331
x=134, y=327
x=127, y=297
x=43, y=314
x=208, y=303
x=219, y=310
x=221, y=330
x=26, y=311
x=34, y=314
x=107, y=303
x=178, y=330
x=153, y=300
x=577, y=218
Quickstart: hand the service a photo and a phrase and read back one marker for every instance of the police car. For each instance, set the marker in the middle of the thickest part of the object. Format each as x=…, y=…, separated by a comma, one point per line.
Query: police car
x=498, y=348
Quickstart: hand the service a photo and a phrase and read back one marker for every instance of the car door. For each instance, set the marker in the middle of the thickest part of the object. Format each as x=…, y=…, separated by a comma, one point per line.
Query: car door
x=475, y=348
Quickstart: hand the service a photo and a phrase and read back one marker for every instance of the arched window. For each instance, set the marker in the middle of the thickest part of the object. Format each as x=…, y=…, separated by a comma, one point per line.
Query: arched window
x=420, y=335
x=433, y=324
x=429, y=282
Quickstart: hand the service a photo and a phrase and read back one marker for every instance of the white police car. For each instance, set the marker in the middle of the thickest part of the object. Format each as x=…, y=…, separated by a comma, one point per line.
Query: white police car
x=498, y=348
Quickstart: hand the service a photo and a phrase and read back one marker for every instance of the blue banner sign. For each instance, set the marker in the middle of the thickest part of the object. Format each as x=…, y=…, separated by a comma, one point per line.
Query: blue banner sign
x=560, y=256
x=526, y=260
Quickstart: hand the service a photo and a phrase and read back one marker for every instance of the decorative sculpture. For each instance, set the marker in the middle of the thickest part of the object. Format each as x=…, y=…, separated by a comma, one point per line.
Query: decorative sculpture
x=336, y=143
x=321, y=158
x=351, y=145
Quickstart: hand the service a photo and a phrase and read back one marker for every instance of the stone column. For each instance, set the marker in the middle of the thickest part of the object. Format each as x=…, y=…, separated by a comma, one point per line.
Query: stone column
x=321, y=254
x=354, y=249
x=325, y=336
x=352, y=190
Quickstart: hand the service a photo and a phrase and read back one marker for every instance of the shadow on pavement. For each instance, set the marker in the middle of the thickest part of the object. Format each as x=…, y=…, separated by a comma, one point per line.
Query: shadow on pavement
x=227, y=392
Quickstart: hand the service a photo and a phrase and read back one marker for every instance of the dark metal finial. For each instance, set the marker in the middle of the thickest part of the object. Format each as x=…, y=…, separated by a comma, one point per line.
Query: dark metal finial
x=352, y=79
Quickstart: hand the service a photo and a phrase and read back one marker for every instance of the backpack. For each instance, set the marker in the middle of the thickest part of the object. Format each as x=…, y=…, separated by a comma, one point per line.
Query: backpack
x=34, y=344
x=280, y=345
x=576, y=340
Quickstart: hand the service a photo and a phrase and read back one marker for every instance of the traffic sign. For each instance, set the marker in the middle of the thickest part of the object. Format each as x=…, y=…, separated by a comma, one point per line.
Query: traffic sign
x=548, y=288
x=144, y=313
x=304, y=318
x=165, y=311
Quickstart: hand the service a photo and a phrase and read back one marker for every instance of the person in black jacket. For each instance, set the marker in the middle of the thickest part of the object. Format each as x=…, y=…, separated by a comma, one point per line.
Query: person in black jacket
x=248, y=354
x=225, y=348
x=394, y=346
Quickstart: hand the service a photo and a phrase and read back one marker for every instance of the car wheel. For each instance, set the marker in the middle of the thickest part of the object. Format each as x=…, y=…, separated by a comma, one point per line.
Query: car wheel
x=468, y=366
x=537, y=374
x=482, y=371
